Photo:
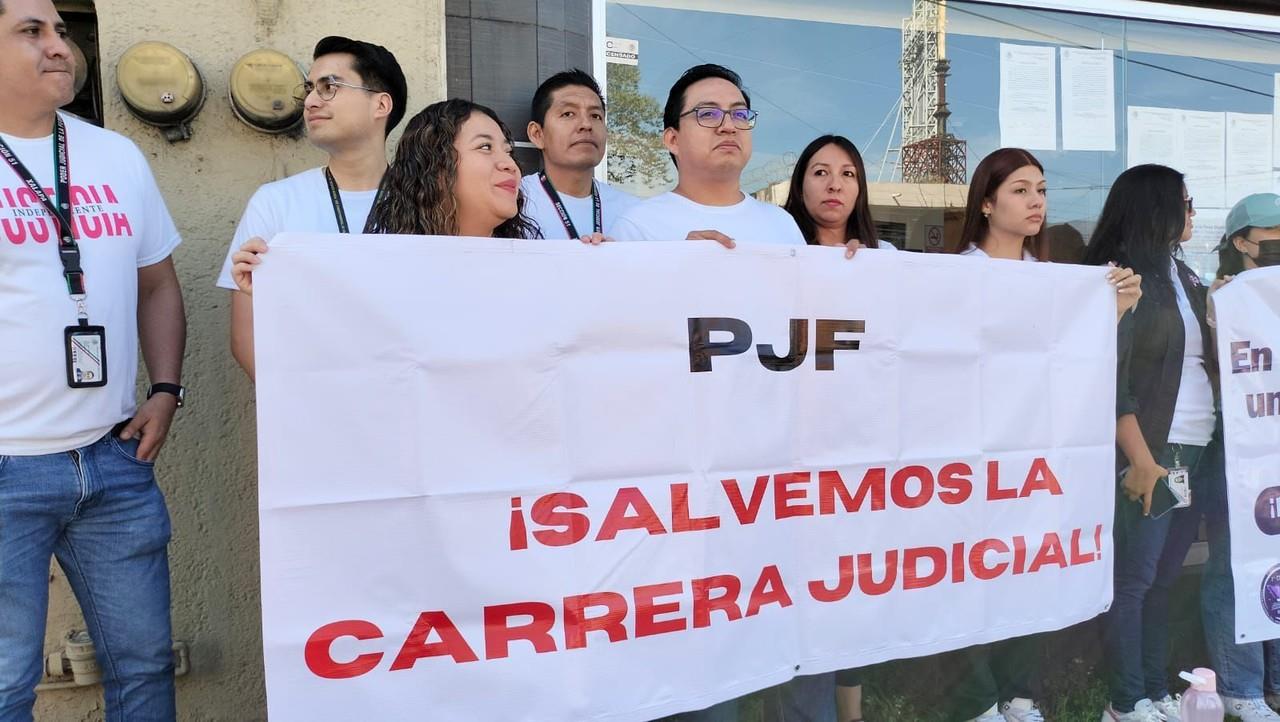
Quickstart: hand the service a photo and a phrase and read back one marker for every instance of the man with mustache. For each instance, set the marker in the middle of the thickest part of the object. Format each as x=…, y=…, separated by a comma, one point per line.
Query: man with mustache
x=708, y=121
x=568, y=126
x=85, y=276
x=354, y=96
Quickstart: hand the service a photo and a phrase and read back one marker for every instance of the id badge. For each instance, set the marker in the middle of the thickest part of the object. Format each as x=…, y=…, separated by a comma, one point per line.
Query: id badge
x=86, y=348
x=1179, y=484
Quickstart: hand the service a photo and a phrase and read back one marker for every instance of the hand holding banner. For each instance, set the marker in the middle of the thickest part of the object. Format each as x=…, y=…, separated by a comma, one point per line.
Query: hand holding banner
x=537, y=480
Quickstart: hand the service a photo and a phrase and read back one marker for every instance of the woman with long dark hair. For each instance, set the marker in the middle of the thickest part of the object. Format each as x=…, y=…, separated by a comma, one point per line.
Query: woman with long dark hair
x=1005, y=210
x=1166, y=387
x=452, y=176
x=828, y=195
x=1005, y=216
x=828, y=199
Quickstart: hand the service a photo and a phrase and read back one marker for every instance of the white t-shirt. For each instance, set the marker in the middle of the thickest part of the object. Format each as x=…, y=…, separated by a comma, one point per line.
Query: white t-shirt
x=880, y=246
x=671, y=217
x=976, y=252
x=299, y=203
x=538, y=206
x=121, y=224
x=1193, y=412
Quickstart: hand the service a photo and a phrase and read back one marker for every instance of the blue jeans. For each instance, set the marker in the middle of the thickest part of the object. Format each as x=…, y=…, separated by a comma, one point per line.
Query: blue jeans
x=1149, y=554
x=99, y=511
x=1245, y=671
x=811, y=698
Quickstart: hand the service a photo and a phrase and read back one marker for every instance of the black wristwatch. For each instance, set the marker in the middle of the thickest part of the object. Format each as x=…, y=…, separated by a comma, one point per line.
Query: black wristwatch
x=163, y=388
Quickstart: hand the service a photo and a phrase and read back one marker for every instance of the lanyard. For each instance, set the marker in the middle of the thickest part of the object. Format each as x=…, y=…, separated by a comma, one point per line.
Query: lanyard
x=596, y=216
x=335, y=197
x=68, y=250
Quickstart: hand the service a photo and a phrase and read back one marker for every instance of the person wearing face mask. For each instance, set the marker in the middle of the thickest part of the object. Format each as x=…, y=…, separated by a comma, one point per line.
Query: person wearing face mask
x=1248, y=674
x=453, y=175
x=568, y=126
x=708, y=122
x=1252, y=239
x=1166, y=385
x=354, y=96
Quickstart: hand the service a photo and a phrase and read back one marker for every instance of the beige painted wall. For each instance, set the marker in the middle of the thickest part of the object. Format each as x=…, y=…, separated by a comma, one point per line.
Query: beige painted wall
x=207, y=469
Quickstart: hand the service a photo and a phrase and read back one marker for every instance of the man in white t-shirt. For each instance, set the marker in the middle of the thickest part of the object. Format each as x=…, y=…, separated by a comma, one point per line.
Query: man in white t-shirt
x=708, y=121
x=568, y=126
x=85, y=275
x=355, y=95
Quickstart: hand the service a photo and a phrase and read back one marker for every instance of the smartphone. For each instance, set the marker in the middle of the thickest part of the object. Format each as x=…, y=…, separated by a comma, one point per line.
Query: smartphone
x=1163, y=499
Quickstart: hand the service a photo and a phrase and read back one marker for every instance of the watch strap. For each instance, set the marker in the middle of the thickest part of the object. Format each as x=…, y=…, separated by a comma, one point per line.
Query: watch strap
x=167, y=388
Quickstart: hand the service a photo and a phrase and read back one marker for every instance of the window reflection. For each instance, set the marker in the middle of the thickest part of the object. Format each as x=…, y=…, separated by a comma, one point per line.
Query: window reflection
x=823, y=66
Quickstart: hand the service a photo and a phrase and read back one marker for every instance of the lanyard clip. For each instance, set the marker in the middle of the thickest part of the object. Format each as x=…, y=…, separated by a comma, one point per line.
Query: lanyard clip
x=70, y=256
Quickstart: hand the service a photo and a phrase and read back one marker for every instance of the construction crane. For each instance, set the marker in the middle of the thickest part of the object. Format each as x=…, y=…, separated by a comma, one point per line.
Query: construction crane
x=930, y=153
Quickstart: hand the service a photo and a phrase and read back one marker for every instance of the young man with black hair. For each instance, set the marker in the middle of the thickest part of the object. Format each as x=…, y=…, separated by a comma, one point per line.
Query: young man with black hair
x=354, y=96
x=568, y=126
x=708, y=121
x=86, y=279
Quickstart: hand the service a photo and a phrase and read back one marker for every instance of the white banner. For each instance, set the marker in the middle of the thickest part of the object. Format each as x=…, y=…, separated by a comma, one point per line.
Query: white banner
x=1248, y=315
x=538, y=480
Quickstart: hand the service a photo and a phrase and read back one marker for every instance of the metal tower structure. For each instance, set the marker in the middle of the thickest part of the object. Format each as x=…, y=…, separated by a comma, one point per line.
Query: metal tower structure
x=930, y=154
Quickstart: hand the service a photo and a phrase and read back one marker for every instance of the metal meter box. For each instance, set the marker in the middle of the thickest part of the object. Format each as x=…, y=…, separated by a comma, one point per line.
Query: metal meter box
x=159, y=83
x=262, y=89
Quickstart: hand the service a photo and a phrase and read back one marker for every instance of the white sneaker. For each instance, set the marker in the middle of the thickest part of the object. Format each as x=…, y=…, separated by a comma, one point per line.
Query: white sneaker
x=1143, y=711
x=991, y=715
x=1020, y=709
x=1169, y=708
x=1250, y=710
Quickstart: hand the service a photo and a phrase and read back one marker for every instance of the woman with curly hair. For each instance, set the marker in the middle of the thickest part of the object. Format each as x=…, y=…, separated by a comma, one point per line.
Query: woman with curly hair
x=453, y=175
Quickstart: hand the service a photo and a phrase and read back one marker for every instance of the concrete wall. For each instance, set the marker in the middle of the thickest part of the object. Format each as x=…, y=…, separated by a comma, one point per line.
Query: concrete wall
x=207, y=469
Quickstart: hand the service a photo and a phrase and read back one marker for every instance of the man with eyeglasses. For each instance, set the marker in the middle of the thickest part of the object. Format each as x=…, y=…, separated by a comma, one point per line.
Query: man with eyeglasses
x=708, y=122
x=354, y=96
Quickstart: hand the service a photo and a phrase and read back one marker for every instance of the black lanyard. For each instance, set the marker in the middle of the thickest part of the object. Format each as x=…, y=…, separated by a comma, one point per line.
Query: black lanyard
x=335, y=197
x=596, y=214
x=68, y=250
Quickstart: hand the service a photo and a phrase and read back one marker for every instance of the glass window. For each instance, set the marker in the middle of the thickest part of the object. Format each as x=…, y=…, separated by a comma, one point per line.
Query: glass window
x=824, y=67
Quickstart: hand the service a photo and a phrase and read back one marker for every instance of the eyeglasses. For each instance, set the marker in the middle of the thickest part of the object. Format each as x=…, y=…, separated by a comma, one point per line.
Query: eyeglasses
x=1190, y=203
x=326, y=88
x=709, y=116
